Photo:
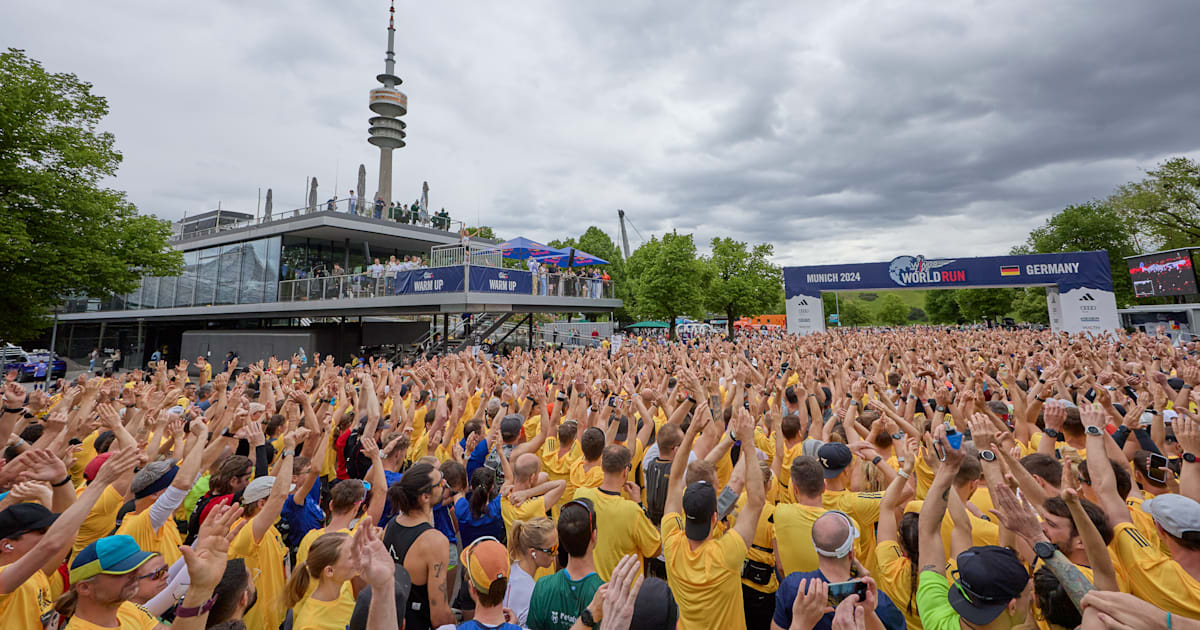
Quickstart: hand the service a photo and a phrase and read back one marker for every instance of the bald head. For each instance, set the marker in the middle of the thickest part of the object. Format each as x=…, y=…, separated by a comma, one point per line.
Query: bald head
x=526, y=466
x=830, y=531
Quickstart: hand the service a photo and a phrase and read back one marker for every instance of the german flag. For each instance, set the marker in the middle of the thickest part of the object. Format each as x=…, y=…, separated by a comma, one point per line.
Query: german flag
x=1010, y=270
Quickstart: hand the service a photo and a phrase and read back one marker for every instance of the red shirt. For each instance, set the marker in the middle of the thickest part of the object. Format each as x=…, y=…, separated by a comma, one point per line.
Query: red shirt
x=341, y=454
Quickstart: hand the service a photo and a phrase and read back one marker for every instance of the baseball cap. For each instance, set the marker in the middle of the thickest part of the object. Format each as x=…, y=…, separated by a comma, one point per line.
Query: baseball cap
x=259, y=488
x=510, y=426
x=111, y=555
x=486, y=561
x=834, y=458
x=699, y=505
x=654, y=607
x=93, y=467
x=23, y=518
x=1175, y=513
x=153, y=477
x=986, y=580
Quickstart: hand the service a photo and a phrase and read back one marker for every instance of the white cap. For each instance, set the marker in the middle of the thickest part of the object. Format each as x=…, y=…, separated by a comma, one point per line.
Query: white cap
x=1174, y=513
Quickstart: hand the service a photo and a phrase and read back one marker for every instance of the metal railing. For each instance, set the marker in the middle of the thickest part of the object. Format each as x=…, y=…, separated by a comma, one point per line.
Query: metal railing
x=395, y=214
x=570, y=285
x=457, y=254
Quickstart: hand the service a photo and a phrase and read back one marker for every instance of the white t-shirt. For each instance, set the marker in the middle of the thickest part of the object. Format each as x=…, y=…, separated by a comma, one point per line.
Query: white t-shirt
x=520, y=590
x=392, y=268
x=376, y=270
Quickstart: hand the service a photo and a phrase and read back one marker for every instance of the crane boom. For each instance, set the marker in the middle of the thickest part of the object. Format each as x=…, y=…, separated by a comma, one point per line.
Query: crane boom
x=624, y=236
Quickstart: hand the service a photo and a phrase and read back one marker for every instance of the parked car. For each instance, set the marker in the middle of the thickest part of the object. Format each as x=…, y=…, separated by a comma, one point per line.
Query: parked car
x=26, y=363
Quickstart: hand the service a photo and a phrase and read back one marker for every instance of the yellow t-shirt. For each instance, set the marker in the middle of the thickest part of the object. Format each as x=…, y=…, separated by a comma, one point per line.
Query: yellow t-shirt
x=312, y=536
x=130, y=616
x=707, y=580
x=621, y=528
x=894, y=577
x=761, y=549
x=863, y=507
x=1155, y=577
x=582, y=477
x=983, y=531
x=1145, y=524
x=165, y=540
x=313, y=614
x=100, y=520
x=793, y=530
x=527, y=511
x=266, y=556
x=84, y=457
x=27, y=607
x=559, y=466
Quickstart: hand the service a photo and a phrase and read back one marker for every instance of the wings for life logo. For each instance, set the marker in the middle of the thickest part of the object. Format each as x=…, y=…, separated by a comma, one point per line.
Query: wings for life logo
x=906, y=270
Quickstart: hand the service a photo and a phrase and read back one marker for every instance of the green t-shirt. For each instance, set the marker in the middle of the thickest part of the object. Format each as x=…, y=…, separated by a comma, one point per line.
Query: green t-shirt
x=558, y=600
x=933, y=602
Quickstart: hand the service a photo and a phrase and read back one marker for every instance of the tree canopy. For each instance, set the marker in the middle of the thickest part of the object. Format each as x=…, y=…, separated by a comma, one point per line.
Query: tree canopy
x=741, y=280
x=1164, y=207
x=61, y=232
x=667, y=278
x=1089, y=226
x=892, y=311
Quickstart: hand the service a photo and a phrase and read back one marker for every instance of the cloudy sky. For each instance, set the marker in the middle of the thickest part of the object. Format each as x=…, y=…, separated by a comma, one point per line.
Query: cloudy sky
x=839, y=131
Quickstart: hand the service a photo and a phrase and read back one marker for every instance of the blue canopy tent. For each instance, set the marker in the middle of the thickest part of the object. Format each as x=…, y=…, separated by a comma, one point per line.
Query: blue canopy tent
x=521, y=248
x=571, y=258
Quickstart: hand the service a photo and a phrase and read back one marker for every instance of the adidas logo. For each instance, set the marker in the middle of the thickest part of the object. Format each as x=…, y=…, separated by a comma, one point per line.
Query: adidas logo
x=803, y=302
x=1087, y=297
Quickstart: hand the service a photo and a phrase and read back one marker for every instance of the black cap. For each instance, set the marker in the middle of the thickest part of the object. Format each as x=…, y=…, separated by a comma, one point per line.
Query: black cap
x=834, y=458
x=655, y=607
x=23, y=518
x=510, y=426
x=987, y=579
x=699, y=505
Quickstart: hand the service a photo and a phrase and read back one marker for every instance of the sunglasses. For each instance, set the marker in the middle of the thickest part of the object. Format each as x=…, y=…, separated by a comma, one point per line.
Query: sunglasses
x=551, y=551
x=587, y=505
x=157, y=575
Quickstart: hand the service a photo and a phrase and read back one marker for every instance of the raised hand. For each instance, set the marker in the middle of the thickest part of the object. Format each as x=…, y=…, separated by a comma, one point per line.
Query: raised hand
x=206, y=557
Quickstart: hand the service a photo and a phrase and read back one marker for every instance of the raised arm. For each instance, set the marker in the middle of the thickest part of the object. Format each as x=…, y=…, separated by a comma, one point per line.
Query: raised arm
x=279, y=490
x=933, y=555
x=747, y=521
x=675, y=485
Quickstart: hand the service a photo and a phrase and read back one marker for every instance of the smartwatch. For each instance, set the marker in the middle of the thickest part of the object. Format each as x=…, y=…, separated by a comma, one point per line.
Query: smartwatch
x=1093, y=430
x=898, y=435
x=1044, y=550
x=586, y=619
x=1189, y=458
x=1052, y=433
x=987, y=455
x=942, y=409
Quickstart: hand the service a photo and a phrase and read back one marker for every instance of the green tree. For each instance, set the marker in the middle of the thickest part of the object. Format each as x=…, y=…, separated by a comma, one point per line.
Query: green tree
x=917, y=315
x=1030, y=306
x=667, y=279
x=854, y=313
x=983, y=303
x=61, y=232
x=892, y=311
x=742, y=280
x=941, y=306
x=1085, y=227
x=598, y=243
x=483, y=231
x=1165, y=206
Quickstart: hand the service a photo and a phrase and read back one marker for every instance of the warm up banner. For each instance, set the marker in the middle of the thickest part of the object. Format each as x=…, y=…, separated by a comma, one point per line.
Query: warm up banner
x=1079, y=285
x=493, y=280
x=435, y=280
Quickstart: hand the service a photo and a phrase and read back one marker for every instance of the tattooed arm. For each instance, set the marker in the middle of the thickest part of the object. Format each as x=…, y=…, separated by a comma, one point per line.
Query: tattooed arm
x=437, y=552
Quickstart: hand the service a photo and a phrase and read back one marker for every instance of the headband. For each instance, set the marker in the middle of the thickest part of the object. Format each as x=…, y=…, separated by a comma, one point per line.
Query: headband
x=844, y=549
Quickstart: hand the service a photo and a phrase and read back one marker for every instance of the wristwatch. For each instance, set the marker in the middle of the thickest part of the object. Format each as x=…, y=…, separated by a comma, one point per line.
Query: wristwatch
x=1093, y=430
x=942, y=409
x=1189, y=458
x=987, y=455
x=181, y=611
x=585, y=618
x=899, y=435
x=1044, y=550
x=1052, y=433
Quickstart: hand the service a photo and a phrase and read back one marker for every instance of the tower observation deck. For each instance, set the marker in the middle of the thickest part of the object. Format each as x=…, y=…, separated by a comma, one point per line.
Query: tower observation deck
x=387, y=130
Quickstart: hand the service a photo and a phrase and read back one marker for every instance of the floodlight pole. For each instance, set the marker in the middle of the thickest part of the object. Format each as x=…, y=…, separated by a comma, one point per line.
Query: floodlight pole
x=837, y=308
x=53, y=341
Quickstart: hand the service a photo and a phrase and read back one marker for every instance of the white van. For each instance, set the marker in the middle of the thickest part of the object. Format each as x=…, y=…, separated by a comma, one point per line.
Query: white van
x=693, y=329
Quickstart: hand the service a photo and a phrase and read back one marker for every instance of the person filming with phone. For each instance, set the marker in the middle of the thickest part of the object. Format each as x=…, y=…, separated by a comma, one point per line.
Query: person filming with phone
x=833, y=536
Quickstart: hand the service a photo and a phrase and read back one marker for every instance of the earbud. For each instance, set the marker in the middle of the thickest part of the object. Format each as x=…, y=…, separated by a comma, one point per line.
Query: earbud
x=8, y=547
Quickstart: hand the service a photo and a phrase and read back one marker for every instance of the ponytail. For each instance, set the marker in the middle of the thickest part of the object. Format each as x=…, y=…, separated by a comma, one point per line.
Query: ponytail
x=406, y=493
x=482, y=481
x=323, y=553
x=534, y=533
x=65, y=604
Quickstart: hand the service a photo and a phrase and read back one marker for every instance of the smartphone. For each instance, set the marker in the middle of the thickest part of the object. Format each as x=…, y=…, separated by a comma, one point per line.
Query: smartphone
x=1156, y=468
x=841, y=590
x=612, y=401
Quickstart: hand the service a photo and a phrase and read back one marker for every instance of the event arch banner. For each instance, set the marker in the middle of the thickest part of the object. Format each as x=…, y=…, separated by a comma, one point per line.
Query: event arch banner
x=1079, y=287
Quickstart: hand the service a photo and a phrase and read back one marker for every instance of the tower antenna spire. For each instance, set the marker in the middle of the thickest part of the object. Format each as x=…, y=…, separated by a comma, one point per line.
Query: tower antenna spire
x=387, y=130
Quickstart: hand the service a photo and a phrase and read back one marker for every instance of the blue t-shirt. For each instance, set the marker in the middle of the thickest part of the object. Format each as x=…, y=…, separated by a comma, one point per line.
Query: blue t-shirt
x=388, y=510
x=475, y=625
x=302, y=519
x=891, y=616
x=490, y=523
x=442, y=522
x=478, y=456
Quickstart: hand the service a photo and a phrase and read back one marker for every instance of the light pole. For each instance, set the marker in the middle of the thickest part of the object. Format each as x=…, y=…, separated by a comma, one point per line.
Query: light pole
x=53, y=341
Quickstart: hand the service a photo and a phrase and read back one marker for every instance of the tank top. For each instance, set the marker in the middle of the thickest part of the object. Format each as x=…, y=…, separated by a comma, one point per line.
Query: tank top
x=399, y=539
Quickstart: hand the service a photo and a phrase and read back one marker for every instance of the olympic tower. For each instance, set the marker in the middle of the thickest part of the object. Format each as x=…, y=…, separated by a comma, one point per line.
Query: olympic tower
x=387, y=130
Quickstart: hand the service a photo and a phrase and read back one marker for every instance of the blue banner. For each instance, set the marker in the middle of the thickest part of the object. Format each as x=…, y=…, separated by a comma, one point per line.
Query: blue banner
x=493, y=280
x=1068, y=271
x=436, y=280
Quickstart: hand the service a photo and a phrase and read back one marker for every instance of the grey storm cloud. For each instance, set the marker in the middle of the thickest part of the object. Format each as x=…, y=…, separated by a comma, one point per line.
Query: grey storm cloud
x=837, y=131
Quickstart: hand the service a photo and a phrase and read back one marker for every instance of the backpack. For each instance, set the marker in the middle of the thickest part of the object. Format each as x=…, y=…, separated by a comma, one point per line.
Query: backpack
x=658, y=477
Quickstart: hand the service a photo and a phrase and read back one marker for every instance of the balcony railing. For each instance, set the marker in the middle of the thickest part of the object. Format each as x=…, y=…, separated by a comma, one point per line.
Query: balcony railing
x=442, y=280
x=387, y=213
